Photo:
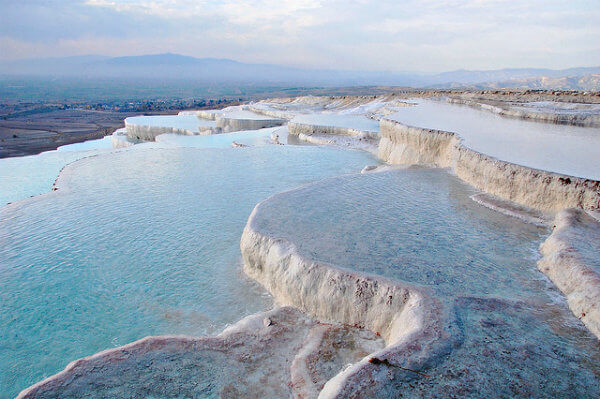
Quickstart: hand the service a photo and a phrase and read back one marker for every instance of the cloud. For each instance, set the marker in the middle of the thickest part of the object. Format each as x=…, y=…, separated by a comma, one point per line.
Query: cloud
x=423, y=35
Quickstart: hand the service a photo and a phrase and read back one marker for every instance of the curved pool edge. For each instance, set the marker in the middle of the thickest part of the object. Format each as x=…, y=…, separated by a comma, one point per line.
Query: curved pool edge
x=568, y=268
x=107, y=356
x=545, y=117
x=412, y=323
x=149, y=133
x=297, y=128
x=283, y=343
x=55, y=188
x=233, y=124
x=539, y=189
x=271, y=113
x=63, y=185
x=554, y=193
x=335, y=136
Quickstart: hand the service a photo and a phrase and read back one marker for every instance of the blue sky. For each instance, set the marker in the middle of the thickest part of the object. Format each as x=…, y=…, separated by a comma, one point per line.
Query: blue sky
x=401, y=35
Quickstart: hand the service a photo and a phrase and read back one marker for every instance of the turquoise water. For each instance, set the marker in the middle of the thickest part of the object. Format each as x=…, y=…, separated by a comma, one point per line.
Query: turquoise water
x=136, y=243
x=400, y=224
x=570, y=150
x=22, y=177
x=145, y=241
x=513, y=335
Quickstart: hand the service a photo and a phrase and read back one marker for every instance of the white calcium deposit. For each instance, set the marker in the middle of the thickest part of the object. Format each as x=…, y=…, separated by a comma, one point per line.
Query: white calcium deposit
x=547, y=191
x=148, y=127
x=335, y=135
x=237, y=118
x=280, y=353
x=546, y=111
x=401, y=313
x=276, y=354
x=571, y=260
x=573, y=273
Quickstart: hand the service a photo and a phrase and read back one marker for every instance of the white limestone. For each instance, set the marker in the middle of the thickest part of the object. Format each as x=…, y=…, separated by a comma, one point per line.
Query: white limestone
x=277, y=354
x=148, y=127
x=546, y=191
x=237, y=118
x=334, y=135
x=402, y=314
x=570, y=259
x=234, y=123
x=575, y=114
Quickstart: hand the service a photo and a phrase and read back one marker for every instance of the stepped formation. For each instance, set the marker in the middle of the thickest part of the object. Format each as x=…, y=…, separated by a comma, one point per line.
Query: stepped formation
x=388, y=331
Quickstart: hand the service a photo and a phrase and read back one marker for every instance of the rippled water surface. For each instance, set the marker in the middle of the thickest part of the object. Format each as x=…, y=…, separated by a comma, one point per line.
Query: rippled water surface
x=22, y=177
x=512, y=333
x=136, y=243
x=571, y=150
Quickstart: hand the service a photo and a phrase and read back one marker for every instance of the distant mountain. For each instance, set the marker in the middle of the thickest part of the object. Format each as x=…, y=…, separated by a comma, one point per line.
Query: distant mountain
x=471, y=77
x=590, y=82
x=217, y=71
x=160, y=59
x=209, y=70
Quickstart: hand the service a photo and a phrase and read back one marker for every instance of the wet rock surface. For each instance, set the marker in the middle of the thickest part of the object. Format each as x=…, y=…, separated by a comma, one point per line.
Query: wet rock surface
x=276, y=354
x=502, y=329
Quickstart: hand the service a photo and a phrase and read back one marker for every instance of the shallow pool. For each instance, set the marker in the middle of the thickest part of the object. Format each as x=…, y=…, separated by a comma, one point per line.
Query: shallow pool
x=251, y=138
x=185, y=122
x=570, y=150
x=22, y=177
x=244, y=114
x=359, y=122
x=136, y=243
x=512, y=333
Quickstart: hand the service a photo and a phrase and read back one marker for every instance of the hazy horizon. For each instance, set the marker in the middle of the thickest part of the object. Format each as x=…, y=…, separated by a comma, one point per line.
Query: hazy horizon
x=397, y=36
x=416, y=72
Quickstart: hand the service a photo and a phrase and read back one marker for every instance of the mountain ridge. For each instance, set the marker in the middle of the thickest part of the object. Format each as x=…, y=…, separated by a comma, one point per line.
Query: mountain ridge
x=215, y=70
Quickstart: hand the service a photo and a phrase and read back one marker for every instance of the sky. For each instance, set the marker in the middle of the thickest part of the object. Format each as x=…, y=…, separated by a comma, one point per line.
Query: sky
x=396, y=35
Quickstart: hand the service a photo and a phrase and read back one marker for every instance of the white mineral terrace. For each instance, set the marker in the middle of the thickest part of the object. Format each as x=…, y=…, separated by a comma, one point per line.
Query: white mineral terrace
x=350, y=121
x=340, y=331
x=237, y=118
x=569, y=150
x=148, y=127
x=546, y=111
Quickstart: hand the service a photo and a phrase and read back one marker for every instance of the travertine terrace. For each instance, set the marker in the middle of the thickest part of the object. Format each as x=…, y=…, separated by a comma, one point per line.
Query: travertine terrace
x=346, y=334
